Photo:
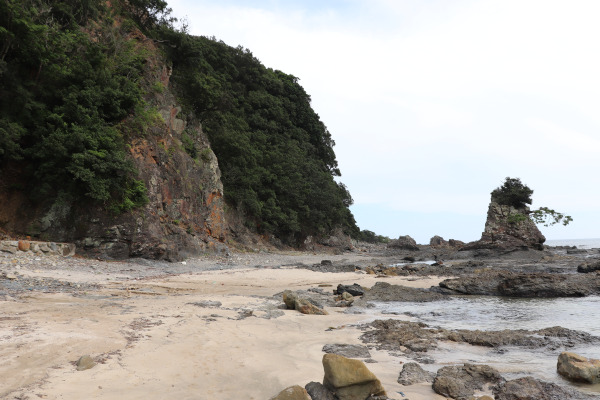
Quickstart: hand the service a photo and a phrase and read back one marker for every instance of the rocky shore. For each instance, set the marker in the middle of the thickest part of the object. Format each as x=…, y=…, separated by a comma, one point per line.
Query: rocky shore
x=213, y=327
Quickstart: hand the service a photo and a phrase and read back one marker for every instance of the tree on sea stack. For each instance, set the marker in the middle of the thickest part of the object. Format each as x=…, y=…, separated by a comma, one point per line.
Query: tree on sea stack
x=511, y=224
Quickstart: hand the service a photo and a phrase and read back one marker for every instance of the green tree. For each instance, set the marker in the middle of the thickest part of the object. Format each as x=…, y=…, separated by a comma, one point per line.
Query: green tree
x=518, y=195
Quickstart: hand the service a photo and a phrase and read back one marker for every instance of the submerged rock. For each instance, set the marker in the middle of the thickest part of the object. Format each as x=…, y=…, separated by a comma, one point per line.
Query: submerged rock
x=578, y=368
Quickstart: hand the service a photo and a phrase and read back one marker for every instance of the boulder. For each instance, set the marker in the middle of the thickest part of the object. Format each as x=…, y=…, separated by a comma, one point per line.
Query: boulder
x=24, y=245
x=413, y=373
x=350, y=379
x=306, y=307
x=292, y=393
x=438, y=241
x=85, y=362
x=529, y=388
x=289, y=298
x=461, y=382
x=354, y=289
x=508, y=229
x=317, y=391
x=578, y=368
x=589, y=267
x=403, y=243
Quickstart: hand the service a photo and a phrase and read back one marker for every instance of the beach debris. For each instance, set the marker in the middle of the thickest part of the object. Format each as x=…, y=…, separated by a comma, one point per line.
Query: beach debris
x=85, y=362
x=292, y=393
x=577, y=368
x=350, y=379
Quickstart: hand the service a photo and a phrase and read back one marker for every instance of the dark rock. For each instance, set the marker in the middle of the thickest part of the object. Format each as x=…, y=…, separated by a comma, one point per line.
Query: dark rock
x=577, y=251
x=589, y=267
x=347, y=350
x=383, y=291
x=438, y=241
x=529, y=388
x=409, y=259
x=461, y=382
x=326, y=262
x=504, y=283
x=403, y=243
x=413, y=373
x=354, y=289
x=455, y=243
x=317, y=391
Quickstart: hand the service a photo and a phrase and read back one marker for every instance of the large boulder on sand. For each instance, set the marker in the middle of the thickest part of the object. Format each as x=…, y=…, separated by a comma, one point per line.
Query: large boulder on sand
x=578, y=368
x=350, y=379
x=403, y=243
x=292, y=393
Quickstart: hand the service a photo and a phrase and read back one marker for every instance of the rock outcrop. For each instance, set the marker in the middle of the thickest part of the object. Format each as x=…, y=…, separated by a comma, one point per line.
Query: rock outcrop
x=413, y=373
x=403, y=243
x=578, y=368
x=505, y=283
x=529, y=388
x=461, y=381
x=172, y=156
x=508, y=229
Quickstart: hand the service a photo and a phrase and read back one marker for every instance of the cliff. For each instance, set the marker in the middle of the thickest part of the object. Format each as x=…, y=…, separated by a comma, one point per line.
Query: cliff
x=128, y=137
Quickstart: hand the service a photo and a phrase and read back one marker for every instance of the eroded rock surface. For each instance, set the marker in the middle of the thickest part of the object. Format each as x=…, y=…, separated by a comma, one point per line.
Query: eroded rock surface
x=461, y=381
x=529, y=388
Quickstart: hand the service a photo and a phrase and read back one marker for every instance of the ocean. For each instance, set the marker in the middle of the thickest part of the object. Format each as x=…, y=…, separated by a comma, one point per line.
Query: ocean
x=579, y=243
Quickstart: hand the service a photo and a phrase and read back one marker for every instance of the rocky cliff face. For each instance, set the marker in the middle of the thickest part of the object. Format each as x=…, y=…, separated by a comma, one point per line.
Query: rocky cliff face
x=508, y=228
x=185, y=212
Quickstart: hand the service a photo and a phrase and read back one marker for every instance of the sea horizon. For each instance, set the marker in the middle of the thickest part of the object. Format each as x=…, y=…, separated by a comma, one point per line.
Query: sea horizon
x=592, y=243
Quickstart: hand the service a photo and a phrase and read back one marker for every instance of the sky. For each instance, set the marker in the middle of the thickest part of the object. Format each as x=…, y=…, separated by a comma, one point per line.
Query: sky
x=433, y=103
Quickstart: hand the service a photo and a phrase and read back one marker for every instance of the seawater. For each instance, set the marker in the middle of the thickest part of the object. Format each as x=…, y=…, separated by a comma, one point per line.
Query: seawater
x=499, y=313
x=579, y=243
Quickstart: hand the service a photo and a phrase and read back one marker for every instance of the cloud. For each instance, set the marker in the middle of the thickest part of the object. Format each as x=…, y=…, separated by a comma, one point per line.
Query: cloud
x=433, y=103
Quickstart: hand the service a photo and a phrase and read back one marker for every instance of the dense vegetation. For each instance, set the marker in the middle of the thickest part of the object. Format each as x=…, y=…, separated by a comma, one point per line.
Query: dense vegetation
x=63, y=93
x=71, y=80
x=275, y=154
x=516, y=194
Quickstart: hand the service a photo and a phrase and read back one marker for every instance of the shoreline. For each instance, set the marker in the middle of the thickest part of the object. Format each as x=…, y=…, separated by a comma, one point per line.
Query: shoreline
x=211, y=327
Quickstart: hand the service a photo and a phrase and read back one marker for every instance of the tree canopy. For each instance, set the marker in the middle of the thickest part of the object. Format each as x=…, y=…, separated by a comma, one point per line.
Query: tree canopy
x=516, y=194
x=71, y=77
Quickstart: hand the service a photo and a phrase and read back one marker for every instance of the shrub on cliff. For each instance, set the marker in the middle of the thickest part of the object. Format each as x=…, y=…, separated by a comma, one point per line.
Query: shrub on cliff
x=518, y=195
x=512, y=193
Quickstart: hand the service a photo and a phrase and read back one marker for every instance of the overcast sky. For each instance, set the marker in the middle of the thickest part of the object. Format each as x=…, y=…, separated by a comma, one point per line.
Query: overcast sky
x=433, y=103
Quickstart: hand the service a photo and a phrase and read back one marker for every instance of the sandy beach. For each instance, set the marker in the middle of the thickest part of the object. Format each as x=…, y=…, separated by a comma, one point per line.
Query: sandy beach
x=204, y=329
